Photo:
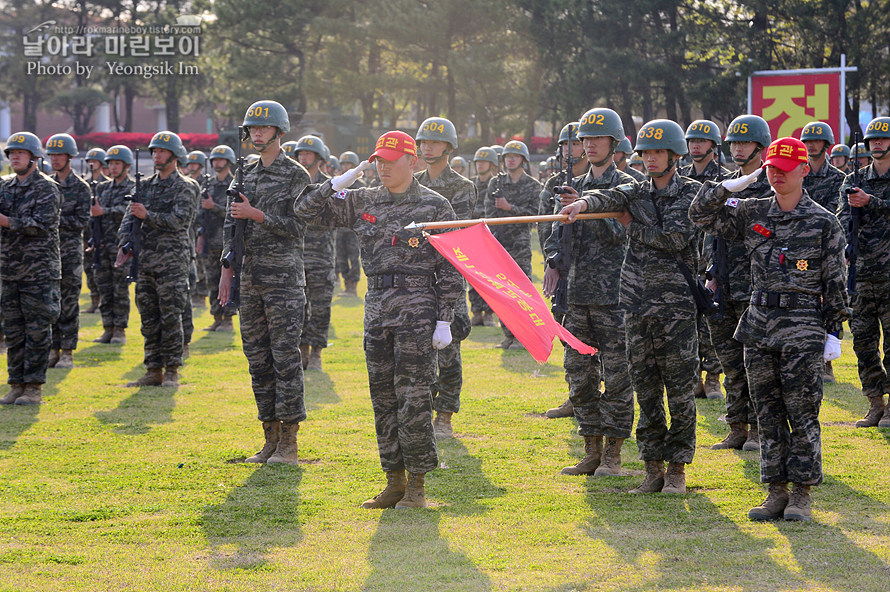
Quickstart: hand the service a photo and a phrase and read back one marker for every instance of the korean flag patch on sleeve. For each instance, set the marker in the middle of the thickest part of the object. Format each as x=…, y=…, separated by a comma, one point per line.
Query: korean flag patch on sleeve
x=341, y=194
x=732, y=202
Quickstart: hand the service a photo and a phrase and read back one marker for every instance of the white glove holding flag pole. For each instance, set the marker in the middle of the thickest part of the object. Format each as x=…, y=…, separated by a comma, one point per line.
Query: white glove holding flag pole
x=832, y=349
x=442, y=334
x=736, y=185
x=345, y=181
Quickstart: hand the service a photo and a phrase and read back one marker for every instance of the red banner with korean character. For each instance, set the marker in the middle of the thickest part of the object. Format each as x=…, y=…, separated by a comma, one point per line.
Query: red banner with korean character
x=789, y=102
x=481, y=259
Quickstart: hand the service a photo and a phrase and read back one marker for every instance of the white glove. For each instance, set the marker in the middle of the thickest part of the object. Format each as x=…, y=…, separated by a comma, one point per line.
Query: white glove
x=832, y=348
x=736, y=185
x=442, y=335
x=345, y=181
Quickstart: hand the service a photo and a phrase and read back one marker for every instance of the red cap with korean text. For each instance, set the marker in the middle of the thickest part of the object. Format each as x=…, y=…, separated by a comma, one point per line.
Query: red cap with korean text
x=394, y=145
x=786, y=154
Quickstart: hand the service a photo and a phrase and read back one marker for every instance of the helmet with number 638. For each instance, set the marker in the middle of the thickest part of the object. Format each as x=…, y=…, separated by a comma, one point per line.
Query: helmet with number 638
x=661, y=134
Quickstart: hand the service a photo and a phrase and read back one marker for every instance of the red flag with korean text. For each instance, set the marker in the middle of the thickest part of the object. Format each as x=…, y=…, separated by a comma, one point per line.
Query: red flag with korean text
x=482, y=260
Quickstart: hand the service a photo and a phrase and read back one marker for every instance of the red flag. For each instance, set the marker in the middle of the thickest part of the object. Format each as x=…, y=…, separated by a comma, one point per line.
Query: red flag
x=482, y=260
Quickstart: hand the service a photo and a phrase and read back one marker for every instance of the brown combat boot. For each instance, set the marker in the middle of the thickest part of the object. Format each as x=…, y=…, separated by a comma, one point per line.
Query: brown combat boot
x=66, y=360
x=593, y=452
x=286, y=452
x=875, y=412
x=152, y=377
x=391, y=494
x=752, y=443
x=699, y=390
x=119, y=336
x=773, y=507
x=800, y=507
x=885, y=419
x=653, y=482
x=566, y=409
x=712, y=386
x=415, y=495
x=55, y=354
x=225, y=325
x=304, y=355
x=217, y=319
x=675, y=478
x=32, y=395
x=314, y=362
x=272, y=432
x=736, y=438
x=828, y=374
x=478, y=319
x=16, y=390
x=171, y=376
x=442, y=425
x=610, y=466
x=94, y=304
x=350, y=288
x=106, y=336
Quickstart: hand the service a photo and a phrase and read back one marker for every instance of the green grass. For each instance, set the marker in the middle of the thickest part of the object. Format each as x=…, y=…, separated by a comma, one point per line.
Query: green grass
x=108, y=488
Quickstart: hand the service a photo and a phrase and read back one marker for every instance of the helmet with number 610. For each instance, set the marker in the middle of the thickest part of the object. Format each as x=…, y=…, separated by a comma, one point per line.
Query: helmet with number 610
x=24, y=141
x=749, y=128
x=662, y=134
x=61, y=144
x=703, y=129
x=437, y=129
x=267, y=113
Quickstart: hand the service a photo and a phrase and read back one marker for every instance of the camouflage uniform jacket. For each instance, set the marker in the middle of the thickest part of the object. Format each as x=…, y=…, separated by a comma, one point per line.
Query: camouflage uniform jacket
x=873, y=263
x=212, y=221
x=378, y=217
x=800, y=252
x=29, y=248
x=273, y=250
x=710, y=172
x=170, y=204
x=74, y=214
x=549, y=204
x=597, y=247
x=457, y=189
x=651, y=281
x=481, y=191
x=524, y=197
x=824, y=186
x=114, y=198
x=641, y=177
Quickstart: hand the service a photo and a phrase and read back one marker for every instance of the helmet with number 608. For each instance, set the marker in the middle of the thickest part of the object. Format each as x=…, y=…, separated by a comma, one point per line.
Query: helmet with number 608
x=879, y=127
x=662, y=134
x=121, y=153
x=267, y=113
x=24, y=141
x=437, y=129
x=749, y=128
x=168, y=141
x=223, y=151
x=601, y=122
x=516, y=147
x=61, y=144
x=703, y=129
x=817, y=130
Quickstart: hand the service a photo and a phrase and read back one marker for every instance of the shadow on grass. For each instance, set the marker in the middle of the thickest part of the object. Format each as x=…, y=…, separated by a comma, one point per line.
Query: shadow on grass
x=318, y=389
x=147, y=406
x=408, y=554
x=260, y=514
x=462, y=484
x=97, y=354
x=15, y=420
x=213, y=341
x=344, y=301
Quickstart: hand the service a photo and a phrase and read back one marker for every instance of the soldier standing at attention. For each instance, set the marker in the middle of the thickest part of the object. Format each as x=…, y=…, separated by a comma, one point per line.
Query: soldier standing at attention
x=272, y=290
x=166, y=211
x=210, y=243
x=197, y=162
x=860, y=156
x=797, y=310
x=112, y=198
x=459, y=165
x=437, y=138
x=73, y=217
x=409, y=307
x=514, y=193
x=348, y=262
x=95, y=159
x=662, y=343
x=30, y=268
x=840, y=158
x=485, y=161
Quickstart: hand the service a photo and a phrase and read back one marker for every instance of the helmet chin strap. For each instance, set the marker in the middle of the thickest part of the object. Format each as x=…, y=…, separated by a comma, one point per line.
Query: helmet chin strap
x=878, y=154
x=701, y=157
x=434, y=159
x=742, y=163
x=608, y=157
x=263, y=146
x=672, y=160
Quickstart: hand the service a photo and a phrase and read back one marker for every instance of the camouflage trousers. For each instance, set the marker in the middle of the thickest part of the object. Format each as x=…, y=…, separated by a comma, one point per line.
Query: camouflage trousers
x=450, y=378
x=707, y=356
x=348, y=262
x=29, y=311
x=477, y=304
x=731, y=353
x=663, y=355
x=609, y=413
x=213, y=269
x=66, y=327
x=271, y=322
x=401, y=367
x=92, y=284
x=114, y=290
x=161, y=298
x=201, y=286
x=787, y=393
x=871, y=321
x=319, y=293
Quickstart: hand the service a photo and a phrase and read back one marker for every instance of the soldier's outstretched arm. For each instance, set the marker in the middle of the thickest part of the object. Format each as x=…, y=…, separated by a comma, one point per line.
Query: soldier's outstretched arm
x=321, y=205
x=716, y=211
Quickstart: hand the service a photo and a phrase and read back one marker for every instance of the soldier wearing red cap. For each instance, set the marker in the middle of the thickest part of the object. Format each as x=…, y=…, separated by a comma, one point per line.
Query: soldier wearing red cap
x=794, y=319
x=409, y=306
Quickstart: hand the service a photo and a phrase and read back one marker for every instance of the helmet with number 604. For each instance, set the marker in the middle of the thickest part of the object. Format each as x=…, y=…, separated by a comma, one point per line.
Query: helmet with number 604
x=24, y=141
x=601, y=122
x=223, y=151
x=168, y=141
x=564, y=133
x=516, y=147
x=749, y=128
x=61, y=144
x=486, y=154
x=311, y=144
x=437, y=129
x=879, y=127
x=817, y=130
x=662, y=134
x=350, y=157
x=121, y=153
x=624, y=146
x=267, y=113
x=703, y=129
x=95, y=154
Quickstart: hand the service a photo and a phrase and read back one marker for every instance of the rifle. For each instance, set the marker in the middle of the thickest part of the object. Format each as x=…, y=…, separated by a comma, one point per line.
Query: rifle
x=719, y=270
x=202, y=215
x=562, y=260
x=134, y=245
x=855, y=221
x=96, y=233
x=233, y=259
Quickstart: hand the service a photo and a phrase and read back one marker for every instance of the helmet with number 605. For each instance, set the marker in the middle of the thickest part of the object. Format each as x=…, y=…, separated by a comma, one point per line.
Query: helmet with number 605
x=817, y=130
x=24, y=141
x=749, y=128
x=223, y=151
x=662, y=134
x=437, y=129
x=703, y=129
x=61, y=144
x=601, y=122
x=168, y=141
x=121, y=153
x=516, y=147
x=267, y=113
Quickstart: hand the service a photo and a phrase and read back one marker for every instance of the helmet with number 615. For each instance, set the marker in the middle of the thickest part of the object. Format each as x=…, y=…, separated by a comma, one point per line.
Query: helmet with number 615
x=662, y=134
x=267, y=113
x=61, y=144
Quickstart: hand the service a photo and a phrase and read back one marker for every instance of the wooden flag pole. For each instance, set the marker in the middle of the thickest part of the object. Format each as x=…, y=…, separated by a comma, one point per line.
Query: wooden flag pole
x=509, y=220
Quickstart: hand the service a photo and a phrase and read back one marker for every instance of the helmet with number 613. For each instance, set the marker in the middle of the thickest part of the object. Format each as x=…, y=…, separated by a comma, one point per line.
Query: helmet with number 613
x=817, y=130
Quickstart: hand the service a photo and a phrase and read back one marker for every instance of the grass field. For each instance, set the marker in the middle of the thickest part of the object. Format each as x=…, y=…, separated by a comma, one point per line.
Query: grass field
x=108, y=488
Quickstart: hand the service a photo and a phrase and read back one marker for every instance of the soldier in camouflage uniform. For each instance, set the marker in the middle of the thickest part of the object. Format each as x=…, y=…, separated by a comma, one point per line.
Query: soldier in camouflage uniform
x=840, y=158
x=30, y=268
x=196, y=167
x=212, y=216
x=594, y=315
x=859, y=156
x=409, y=307
x=485, y=161
x=514, y=193
x=95, y=160
x=112, y=199
x=166, y=211
x=635, y=163
x=437, y=138
x=318, y=262
x=620, y=158
x=348, y=262
x=871, y=300
x=662, y=343
x=272, y=281
x=797, y=309
x=73, y=218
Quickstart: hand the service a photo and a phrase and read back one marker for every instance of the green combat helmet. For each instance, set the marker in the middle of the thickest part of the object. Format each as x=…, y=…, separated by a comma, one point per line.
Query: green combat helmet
x=749, y=128
x=841, y=150
x=223, y=151
x=196, y=156
x=333, y=162
x=817, y=130
x=564, y=132
x=879, y=127
x=459, y=162
x=350, y=157
x=24, y=141
x=703, y=129
x=267, y=113
x=486, y=154
x=290, y=149
x=599, y=122
x=438, y=129
x=516, y=147
x=61, y=144
x=95, y=154
x=121, y=153
x=168, y=141
x=312, y=144
x=662, y=134
x=624, y=146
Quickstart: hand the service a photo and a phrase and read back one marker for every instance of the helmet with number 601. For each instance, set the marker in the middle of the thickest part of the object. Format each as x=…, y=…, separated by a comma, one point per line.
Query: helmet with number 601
x=24, y=141
x=437, y=129
x=121, y=153
x=817, y=130
x=516, y=147
x=223, y=151
x=601, y=122
x=61, y=144
x=749, y=128
x=168, y=141
x=662, y=134
x=703, y=129
x=267, y=113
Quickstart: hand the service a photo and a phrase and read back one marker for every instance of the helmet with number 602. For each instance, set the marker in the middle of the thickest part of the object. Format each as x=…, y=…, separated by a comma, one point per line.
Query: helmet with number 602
x=817, y=130
x=437, y=129
x=223, y=151
x=516, y=147
x=703, y=129
x=749, y=128
x=312, y=144
x=840, y=150
x=24, y=141
x=879, y=127
x=486, y=154
x=121, y=153
x=601, y=122
x=350, y=157
x=662, y=134
x=95, y=154
x=564, y=133
x=624, y=146
x=61, y=144
x=168, y=141
x=267, y=113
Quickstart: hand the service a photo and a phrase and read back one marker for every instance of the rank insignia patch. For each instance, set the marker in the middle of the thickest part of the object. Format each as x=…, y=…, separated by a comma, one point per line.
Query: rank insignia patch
x=802, y=265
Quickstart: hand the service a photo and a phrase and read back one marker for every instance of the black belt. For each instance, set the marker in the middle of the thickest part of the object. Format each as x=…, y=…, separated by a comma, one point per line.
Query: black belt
x=384, y=281
x=784, y=299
